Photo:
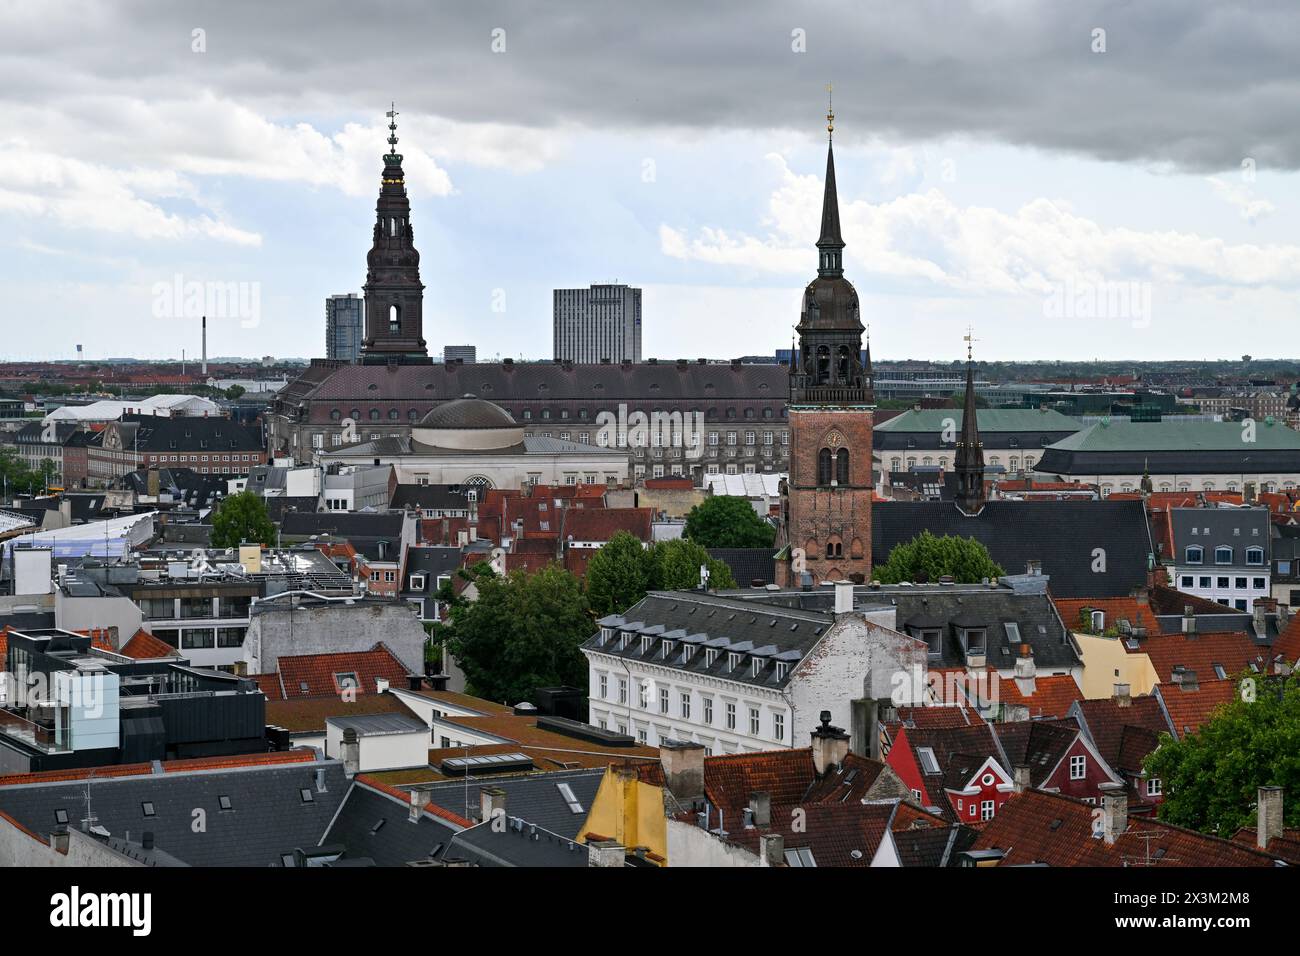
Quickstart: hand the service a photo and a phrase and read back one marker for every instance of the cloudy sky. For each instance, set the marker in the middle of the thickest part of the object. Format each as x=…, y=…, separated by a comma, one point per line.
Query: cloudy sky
x=1091, y=179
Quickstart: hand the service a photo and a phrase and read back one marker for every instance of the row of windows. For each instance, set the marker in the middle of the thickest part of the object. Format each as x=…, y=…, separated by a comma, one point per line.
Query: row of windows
x=1223, y=554
x=681, y=704
x=1239, y=584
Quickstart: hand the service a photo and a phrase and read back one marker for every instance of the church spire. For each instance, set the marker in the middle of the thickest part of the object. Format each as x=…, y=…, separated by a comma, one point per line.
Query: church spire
x=968, y=464
x=830, y=247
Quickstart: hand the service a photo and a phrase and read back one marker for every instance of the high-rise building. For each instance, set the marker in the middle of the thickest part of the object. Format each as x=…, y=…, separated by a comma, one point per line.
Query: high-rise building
x=344, y=327
x=597, y=324
x=394, y=293
x=467, y=354
x=826, y=504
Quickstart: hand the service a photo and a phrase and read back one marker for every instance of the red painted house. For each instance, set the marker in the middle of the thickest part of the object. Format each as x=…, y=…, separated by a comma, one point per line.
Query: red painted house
x=956, y=770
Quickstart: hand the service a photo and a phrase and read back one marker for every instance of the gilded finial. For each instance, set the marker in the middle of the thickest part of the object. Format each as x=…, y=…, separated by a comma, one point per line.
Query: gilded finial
x=392, y=127
x=969, y=339
x=830, y=111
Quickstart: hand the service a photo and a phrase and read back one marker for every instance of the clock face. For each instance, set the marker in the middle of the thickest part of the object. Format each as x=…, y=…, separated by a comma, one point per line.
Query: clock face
x=834, y=439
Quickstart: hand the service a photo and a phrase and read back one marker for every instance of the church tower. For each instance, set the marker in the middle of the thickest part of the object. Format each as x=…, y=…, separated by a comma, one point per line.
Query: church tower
x=827, y=507
x=968, y=463
x=393, y=291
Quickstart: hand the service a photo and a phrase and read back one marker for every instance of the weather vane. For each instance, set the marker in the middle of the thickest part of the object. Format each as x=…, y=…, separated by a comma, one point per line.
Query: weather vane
x=969, y=339
x=830, y=111
x=392, y=126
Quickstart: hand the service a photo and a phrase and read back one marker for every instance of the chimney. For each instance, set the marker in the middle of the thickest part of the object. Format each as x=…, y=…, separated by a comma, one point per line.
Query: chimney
x=772, y=849
x=843, y=597
x=351, y=752
x=830, y=745
x=1025, y=669
x=1189, y=681
x=605, y=853
x=205, y=346
x=1268, y=816
x=1020, y=776
x=59, y=841
x=146, y=841
x=491, y=802
x=760, y=805
x=683, y=765
x=1189, y=620
x=1114, y=811
x=1033, y=567
x=1122, y=696
x=419, y=800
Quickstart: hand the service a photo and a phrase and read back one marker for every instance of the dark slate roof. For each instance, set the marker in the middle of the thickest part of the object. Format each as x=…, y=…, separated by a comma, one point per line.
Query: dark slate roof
x=1037, y=744
x=430, y=562
x=278, y=507
x=268, y=816
x=1237, y=528
x=1063, y=535
x=748, y=565
x=377, y=826
x=1024, y=604
x=708, y=621
x=431, y=497
x=183, y=484
x=34, y=433
x=519, y=844
x=534, y=797
x=344, y=524
x=155, y=433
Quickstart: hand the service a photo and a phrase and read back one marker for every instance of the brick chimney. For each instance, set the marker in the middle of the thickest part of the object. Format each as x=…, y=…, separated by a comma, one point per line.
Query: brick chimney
x=1025, y=669
x=830, y=746
x=419, y=800
x=1123, y=698
x=1021, y=778
x=772, y=849
x=1268, y=816
x=760, y=805
x=683, y=765
x=1114, y=811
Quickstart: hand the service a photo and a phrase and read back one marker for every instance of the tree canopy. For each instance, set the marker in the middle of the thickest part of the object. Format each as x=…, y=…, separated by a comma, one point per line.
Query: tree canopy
x=17, y=478
x=523, y=632
x=621, y=572
x=726, y=521
x=242, y=518
x=928, y=557
x=1211, y=778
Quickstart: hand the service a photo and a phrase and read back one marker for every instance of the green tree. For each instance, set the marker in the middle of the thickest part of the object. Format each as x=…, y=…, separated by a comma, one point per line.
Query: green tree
x=240, y=519
x=724, y=521
x=523, y=632
x=676, y=567
x=1211, y=778
x=928, y=557
x=618, y=575
x=235, y=392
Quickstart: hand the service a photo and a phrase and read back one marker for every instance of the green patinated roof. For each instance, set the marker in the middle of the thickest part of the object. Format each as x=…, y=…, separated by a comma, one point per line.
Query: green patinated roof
x=1124, y=435
x=930, y=420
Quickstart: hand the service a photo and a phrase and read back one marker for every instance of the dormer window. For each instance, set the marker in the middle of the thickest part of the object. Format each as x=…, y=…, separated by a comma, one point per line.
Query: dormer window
x=974, y=640
x=755, y=666
x=667, y=649
x=1255, y=556
x=781, y=669
x=1223, y=554
x=605, y=633
x=624, y=639
x=710, y=655
x=733, y=661
x=688, y=651
x=645, y=644
x=1195, y=554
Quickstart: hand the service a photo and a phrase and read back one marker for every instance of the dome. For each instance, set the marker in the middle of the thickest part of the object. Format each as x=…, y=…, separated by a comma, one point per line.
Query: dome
x=468, y=412
x=469, y=424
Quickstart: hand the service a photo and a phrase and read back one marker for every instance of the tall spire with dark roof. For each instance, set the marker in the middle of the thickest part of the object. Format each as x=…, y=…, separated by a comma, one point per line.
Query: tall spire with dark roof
x=968, y=463
x=830, y=247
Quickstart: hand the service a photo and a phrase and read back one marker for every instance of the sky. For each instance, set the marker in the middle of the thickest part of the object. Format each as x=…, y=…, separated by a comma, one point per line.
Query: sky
x=1087, y=180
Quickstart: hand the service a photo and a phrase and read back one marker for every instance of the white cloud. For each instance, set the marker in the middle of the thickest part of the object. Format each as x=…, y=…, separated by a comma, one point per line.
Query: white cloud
x=926, y=239
x=1243, y=198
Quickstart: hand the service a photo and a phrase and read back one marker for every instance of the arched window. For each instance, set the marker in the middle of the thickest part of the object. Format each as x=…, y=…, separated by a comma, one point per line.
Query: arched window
x=1195, y=554
x=394, y=318
x=374, y=414
x=1255, y=556
x=843, y=361
x=823, y=365
x=824, y=467
x=842, y=466
x=1223, y=554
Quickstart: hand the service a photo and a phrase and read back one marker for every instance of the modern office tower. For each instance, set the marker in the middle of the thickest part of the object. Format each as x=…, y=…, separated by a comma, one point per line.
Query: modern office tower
x=344, y=327
x=467, y=354
x=597, y=324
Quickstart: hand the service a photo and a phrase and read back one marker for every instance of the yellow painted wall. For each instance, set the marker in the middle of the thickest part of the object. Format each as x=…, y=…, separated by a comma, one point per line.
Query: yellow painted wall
x=1102, y=656
x=629, y=811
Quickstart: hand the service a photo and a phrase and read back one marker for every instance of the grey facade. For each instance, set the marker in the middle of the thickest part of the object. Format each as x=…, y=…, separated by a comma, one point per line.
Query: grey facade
x=597, y=324
x=294, y=624
x=344, y=327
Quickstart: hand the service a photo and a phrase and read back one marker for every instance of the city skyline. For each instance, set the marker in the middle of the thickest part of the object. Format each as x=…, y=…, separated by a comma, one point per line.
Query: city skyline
x=964, y=202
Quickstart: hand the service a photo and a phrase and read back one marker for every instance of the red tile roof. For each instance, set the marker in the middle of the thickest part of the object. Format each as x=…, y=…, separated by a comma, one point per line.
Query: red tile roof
x=1039, y=827
x=1190, y=710
x=319, y=675
x=1051, y=696
x=1123, y=735
x=405, y=796
x=1137, y=613
x=1284, y=847
x=603, y=523
x=1234, y=652
x=144, y=646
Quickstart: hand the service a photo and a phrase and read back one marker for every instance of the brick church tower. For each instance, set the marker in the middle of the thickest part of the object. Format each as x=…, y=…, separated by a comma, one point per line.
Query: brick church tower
x=393, y=291
x=826, y=507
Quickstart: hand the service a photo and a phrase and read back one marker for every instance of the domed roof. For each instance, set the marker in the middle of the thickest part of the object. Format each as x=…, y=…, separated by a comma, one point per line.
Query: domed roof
x=468, y=412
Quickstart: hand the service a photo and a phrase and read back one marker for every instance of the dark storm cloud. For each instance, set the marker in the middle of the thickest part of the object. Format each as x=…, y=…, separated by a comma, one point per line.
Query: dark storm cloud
x=1196, y=86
